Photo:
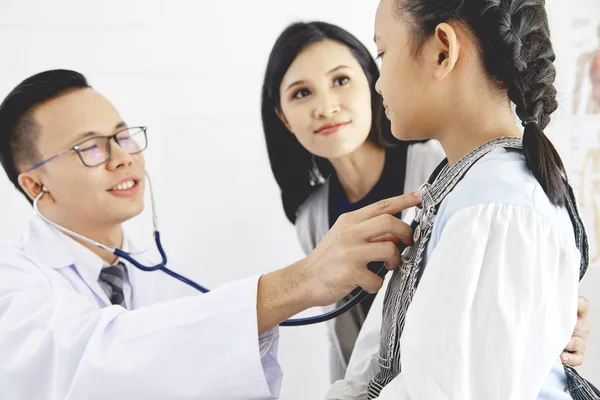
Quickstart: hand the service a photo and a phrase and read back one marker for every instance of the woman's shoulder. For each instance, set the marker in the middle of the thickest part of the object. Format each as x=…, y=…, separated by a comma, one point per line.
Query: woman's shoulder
x=312, y=218
x=316, y=200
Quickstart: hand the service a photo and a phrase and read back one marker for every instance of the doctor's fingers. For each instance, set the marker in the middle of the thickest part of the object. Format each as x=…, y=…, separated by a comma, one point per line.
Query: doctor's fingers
x=386, y=252
x=388, y=237
x=390, y=206
x=382, y=225
x=369, y=281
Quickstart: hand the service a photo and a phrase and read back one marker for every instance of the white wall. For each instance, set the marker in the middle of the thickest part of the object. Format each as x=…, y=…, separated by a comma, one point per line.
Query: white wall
x=192, y=72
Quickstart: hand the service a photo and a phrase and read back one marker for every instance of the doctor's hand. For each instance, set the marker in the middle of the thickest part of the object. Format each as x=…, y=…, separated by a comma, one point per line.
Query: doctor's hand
x=339, y=263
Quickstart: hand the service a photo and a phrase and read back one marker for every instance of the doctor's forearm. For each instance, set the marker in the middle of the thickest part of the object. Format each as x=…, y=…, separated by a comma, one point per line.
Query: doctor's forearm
x=281, y=295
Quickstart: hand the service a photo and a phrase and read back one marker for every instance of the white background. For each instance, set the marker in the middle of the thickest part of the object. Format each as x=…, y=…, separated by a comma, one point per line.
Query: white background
x=192, y=72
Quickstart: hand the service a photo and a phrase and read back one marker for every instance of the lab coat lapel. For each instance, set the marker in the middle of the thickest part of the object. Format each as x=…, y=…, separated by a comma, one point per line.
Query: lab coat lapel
x=56, y=250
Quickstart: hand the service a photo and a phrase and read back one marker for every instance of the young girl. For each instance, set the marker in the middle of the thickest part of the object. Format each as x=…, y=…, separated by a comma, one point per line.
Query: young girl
x=331, y=152
x=485, y=300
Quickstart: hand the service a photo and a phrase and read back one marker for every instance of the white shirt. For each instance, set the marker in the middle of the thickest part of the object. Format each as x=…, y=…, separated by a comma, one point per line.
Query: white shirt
x=60, y=338
x=497, y=302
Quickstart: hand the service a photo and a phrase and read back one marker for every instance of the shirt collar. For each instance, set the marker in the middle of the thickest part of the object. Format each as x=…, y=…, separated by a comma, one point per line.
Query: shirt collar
x=58, y=250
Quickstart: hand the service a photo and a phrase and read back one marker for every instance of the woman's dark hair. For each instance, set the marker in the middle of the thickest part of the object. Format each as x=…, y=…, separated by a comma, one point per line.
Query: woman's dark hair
x=514, y=41
x=18, y=130
x=293, y=167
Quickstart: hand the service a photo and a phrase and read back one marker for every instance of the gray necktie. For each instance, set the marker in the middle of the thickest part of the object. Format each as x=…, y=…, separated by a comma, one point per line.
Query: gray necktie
x=111, y=281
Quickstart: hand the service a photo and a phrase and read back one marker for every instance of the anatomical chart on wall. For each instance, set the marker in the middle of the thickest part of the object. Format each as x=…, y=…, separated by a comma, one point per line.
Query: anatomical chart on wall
x=584, y=125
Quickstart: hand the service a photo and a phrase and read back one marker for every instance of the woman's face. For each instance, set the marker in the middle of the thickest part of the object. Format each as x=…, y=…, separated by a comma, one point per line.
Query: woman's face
x=326, y=100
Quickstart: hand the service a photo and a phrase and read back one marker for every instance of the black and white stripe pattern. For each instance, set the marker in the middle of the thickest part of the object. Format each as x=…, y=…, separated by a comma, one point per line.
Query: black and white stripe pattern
x=405, y=279
x=578, y=387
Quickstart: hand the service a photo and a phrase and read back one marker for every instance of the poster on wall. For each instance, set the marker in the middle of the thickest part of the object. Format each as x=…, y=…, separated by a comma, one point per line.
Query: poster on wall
x=583, y=123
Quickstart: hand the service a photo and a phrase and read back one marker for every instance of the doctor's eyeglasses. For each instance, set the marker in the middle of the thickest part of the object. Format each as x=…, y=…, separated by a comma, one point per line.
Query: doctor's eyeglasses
x=96, y=150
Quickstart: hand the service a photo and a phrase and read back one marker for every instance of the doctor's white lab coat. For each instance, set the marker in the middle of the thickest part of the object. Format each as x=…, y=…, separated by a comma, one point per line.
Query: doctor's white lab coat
x=61, y=339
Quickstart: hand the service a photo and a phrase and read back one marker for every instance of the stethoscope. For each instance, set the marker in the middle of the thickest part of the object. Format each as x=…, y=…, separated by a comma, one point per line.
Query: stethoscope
x=357, y=296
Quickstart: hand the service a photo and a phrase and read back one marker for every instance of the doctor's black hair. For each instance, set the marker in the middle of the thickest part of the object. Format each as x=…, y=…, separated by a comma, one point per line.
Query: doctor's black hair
x=292, y=165
x=514, y=43
x=18, y=129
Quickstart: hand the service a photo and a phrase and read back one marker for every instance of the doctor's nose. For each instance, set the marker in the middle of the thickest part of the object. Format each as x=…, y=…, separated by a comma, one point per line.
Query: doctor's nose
x=326, y=107
x=119, y=157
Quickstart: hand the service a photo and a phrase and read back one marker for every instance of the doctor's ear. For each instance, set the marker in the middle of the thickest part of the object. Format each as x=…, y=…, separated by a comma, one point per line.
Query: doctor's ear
x=30, y=185
x=283, y=119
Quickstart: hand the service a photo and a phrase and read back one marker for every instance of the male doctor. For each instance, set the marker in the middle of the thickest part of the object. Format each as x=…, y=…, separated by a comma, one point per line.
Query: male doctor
x=78, y=323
